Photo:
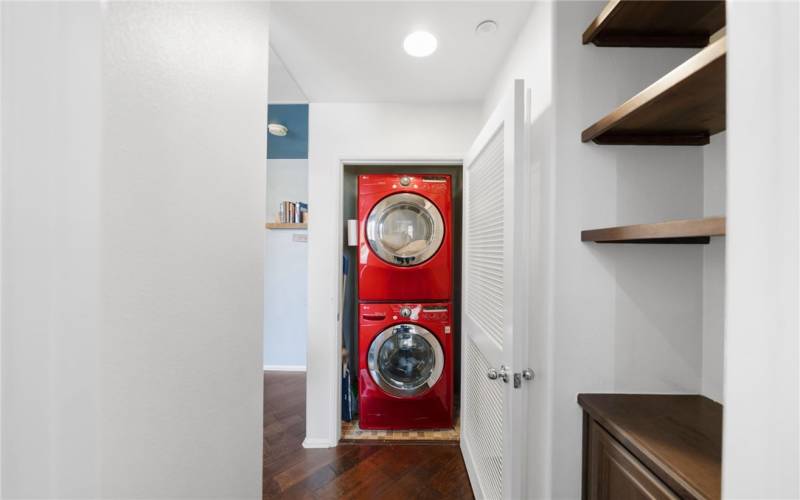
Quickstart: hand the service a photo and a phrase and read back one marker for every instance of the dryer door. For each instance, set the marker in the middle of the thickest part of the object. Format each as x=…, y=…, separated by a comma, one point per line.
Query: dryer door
x=405, y=229
x=405, y=360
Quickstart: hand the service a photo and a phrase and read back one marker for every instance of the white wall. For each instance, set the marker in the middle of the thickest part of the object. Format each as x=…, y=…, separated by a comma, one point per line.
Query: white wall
x=133, y=211
x=51, y=164
x=340, y=132
x=607, y=318
x=1, y=250
x=285, y=271
x=761, y=452
x=714, y=190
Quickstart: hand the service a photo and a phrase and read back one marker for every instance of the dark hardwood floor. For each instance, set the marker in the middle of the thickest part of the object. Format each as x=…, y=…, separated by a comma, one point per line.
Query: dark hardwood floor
x=356, y=471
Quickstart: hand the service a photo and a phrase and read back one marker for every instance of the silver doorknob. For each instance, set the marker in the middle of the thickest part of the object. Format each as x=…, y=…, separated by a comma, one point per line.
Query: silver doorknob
x=528, y=374
x=501, y=374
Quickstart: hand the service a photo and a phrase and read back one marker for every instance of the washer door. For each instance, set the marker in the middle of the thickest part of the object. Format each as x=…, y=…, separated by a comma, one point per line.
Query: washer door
x=405, y=229
x=405, y=360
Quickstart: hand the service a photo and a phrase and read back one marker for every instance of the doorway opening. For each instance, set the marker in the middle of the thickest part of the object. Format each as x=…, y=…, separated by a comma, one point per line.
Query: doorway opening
x=286, y=251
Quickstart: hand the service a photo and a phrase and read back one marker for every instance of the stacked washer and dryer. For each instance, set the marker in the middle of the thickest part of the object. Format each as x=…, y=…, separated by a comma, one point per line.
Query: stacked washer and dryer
x=405, y=288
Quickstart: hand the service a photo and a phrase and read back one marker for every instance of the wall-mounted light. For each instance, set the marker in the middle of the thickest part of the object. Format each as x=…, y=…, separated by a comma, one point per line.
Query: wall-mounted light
x=277, y=129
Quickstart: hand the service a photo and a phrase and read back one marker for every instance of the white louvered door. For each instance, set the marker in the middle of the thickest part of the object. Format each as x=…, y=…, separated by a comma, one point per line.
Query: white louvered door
x=494, y=302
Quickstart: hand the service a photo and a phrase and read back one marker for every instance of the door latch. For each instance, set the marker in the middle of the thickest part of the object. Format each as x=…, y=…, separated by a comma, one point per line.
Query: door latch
x=526, y=374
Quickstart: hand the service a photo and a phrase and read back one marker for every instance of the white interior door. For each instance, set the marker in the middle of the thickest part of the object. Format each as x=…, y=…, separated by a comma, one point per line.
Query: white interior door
x=495, y=282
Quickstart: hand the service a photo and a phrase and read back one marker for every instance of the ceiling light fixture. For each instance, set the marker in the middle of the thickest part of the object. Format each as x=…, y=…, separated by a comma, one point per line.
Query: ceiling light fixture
x=277, y=129
x=420, y=44
x=486, y=27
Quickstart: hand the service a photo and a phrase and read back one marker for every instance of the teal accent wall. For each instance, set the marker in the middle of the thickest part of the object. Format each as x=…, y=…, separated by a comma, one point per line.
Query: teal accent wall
x=294, y=145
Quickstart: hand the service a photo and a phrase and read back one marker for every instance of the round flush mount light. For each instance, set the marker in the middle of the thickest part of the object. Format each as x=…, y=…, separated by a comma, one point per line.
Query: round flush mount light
x=486, y=27
x=420, y=44
x=277, y=129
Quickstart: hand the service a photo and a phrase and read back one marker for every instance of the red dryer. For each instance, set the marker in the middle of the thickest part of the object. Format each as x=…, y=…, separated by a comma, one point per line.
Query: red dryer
x=404, y=247
x=405, y=366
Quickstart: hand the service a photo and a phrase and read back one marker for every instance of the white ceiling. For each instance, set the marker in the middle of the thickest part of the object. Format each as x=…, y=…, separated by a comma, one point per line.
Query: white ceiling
x=282, y=87
x=352, y=51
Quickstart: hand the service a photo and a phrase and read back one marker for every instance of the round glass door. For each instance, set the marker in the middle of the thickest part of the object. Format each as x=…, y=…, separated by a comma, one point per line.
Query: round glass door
x=405, y=360
x=405, y=229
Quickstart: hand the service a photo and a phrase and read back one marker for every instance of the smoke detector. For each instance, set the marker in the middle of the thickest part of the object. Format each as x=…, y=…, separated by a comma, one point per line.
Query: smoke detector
x=486, y=27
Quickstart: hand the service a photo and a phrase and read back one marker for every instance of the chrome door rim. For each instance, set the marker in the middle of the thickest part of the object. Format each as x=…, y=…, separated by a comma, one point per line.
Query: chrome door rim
x=411, y=200
x=377, y=376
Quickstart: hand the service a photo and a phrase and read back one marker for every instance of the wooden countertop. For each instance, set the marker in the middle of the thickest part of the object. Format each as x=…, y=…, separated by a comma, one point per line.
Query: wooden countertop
x=677, y=437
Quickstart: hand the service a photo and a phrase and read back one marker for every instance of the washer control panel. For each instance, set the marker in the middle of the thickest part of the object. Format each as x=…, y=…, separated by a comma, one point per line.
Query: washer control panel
x=432, y=183
x=439, y=313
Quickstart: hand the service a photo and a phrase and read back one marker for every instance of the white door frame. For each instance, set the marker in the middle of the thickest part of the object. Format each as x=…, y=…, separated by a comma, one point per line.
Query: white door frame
x=411, y=161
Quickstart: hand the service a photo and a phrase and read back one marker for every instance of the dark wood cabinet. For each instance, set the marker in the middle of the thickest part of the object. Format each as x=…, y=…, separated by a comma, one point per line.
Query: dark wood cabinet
x=641, y=446
x=615, y=474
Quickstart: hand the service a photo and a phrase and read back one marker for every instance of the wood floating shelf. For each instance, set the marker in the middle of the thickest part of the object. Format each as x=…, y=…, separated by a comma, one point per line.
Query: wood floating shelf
x=688, y=231
x=667, y=23
x=277, y=225
x=676, y=437
x=683, y=108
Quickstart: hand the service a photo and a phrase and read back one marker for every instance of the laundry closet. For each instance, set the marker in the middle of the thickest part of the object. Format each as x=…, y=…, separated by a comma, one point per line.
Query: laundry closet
x=401, y=302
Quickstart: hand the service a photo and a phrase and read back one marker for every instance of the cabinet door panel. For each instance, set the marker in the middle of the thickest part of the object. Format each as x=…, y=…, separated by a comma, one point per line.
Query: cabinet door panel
x=615, y=474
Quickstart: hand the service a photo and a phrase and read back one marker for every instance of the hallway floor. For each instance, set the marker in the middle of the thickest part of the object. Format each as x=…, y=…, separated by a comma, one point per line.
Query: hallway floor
x=349, y=471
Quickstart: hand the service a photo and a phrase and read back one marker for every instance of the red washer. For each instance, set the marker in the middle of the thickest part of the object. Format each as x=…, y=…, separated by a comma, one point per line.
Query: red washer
x=405, y=374
x=405, y=246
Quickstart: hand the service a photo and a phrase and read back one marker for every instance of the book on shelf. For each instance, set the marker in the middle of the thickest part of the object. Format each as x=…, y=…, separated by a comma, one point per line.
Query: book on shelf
x=292, y=212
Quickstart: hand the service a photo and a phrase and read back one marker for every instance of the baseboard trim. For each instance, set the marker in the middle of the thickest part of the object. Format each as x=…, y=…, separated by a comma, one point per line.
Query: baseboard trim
x=284, y=368
x=318, y=443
